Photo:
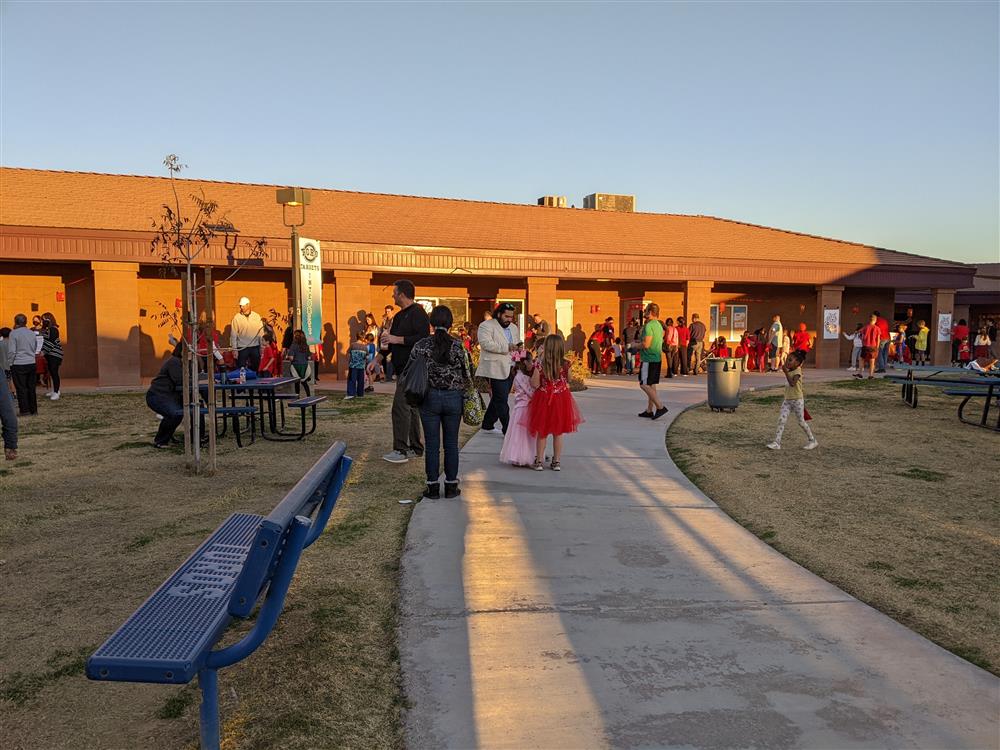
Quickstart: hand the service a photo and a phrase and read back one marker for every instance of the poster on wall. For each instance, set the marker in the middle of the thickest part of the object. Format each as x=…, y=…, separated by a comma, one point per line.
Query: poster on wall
x=311, y=287
x=831, y=323
x=739, y=320
x=944, y=327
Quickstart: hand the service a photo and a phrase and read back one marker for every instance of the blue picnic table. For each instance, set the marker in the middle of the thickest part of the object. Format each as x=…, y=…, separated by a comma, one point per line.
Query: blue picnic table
x=270, y=404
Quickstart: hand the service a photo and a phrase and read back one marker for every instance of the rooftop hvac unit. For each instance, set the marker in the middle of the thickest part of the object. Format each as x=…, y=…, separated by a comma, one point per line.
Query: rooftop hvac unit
x=610, y=202
x=553, y=201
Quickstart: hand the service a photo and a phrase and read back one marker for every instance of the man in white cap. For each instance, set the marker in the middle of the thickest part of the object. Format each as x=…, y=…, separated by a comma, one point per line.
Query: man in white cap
x=245, y=335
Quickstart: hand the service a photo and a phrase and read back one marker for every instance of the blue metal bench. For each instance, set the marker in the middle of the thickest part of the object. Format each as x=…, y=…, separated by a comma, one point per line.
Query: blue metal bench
x=169, y=639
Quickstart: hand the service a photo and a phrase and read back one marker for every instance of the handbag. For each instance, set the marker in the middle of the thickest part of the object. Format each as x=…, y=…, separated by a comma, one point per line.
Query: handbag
x=415, y=380
x=473, y=407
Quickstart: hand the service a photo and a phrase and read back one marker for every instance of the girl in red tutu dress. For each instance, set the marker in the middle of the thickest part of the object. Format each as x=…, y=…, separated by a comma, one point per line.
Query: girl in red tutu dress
x=552, y=410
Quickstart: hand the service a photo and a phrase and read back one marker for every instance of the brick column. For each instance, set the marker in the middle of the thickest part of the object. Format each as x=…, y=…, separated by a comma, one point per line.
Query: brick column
x=116, y=315
x=542, y=300
x=827, y=351
x=353, y=298
x=698, y=299
x=942, y=301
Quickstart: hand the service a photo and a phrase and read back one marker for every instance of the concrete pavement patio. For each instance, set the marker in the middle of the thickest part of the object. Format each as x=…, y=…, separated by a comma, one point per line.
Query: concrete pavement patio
x=614, y=605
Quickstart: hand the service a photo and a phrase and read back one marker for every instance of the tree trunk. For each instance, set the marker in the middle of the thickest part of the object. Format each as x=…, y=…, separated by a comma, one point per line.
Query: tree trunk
x=210, y=317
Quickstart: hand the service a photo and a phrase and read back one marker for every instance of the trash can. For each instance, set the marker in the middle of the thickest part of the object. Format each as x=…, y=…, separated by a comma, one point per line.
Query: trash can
x=724, y=383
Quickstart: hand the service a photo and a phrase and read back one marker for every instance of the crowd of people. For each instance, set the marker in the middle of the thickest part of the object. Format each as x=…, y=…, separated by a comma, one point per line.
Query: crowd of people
x=28, y=357
x=535, y=366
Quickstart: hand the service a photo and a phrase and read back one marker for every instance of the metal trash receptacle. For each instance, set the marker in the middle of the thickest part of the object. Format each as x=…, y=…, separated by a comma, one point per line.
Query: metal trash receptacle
x=724, y=383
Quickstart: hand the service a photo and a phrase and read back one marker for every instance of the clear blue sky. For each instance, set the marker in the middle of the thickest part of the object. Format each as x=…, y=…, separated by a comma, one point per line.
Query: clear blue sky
x=871, y=122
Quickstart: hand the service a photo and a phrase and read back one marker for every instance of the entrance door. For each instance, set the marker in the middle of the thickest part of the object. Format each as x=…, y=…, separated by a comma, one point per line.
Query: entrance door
x=564, y=317
x=632, y=308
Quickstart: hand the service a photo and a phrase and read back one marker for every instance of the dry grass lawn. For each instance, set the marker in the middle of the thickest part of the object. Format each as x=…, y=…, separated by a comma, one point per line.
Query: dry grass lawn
x=94, y=519
x=898, y=507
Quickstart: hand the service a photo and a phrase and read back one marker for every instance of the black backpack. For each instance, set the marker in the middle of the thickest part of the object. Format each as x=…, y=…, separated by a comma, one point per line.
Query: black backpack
x=415, y=381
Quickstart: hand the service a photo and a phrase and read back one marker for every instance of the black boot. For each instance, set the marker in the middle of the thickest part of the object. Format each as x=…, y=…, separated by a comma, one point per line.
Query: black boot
x=451, y=489
x=433, y=491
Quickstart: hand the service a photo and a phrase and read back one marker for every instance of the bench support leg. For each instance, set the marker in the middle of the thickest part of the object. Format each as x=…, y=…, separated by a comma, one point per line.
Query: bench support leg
x=208, y=681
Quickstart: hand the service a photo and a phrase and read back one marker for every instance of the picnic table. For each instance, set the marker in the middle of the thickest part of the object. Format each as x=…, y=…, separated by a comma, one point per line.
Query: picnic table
x=930, y=375
x=269, y=400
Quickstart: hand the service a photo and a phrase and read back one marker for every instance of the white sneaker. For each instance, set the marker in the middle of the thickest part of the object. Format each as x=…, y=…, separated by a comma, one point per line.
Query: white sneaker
x=810, y=445
x=395, y=457
x=851, y=369
x=348, y=398
x=774, y=446
x=54, y=396
x=48, y=393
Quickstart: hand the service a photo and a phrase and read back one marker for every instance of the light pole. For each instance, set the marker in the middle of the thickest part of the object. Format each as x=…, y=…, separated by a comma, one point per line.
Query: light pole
x=294, y=197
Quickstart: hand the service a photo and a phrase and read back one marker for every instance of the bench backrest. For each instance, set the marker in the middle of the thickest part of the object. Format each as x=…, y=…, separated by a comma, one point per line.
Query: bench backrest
x=317, y=493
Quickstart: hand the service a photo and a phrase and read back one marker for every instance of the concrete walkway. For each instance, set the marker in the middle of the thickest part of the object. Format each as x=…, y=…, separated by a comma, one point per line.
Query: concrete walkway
x=614, y=605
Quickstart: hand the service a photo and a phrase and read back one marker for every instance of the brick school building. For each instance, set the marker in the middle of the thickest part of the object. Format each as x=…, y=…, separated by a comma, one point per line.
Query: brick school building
x=78, y=245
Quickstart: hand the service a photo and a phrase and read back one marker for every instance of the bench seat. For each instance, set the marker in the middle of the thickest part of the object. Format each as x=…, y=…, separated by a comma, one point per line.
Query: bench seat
x=169, y=636
x=302, y=403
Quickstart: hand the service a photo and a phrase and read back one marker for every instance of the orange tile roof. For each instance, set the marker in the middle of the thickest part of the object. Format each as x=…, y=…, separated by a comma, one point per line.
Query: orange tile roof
x=43, y=198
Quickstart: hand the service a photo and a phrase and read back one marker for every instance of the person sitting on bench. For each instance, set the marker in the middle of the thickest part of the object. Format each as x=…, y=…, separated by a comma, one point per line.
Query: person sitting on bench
x=165, y=398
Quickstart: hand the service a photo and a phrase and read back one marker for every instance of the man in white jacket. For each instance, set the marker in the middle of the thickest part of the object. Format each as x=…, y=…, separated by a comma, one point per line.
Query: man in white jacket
x=245, y=334
x=498, y=337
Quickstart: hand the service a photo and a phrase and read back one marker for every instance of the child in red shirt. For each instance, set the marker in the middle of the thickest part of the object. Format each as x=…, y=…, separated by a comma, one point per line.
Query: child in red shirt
x=964, y=351
x=270, y=358
x=801, y=341
x=720, y=348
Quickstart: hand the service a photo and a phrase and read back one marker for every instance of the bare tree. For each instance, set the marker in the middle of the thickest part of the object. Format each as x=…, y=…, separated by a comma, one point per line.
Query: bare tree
x=179, y=241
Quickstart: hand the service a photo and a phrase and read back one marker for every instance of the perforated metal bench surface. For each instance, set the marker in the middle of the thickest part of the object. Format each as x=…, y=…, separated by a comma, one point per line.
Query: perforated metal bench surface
x=168, y=636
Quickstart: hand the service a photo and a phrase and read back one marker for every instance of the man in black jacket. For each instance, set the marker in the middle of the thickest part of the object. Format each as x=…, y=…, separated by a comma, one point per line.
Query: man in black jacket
x=165, y=398
x=409, y=325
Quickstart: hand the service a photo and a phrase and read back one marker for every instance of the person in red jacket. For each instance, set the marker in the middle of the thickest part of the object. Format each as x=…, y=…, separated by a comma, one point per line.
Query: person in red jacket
x=959, y=331
x=871, y=341
x=883, y=347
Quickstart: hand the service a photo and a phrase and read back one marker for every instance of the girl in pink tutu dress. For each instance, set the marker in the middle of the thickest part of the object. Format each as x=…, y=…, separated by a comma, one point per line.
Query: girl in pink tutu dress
x=553, y=409
x=518, y=445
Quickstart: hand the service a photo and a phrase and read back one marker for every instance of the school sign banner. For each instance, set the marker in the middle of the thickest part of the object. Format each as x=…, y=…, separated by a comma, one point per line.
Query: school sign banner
x=311, y=289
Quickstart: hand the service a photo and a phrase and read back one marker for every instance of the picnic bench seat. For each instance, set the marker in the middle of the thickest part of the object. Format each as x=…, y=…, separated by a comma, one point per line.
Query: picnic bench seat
x=170, y=638
x=309, y=402
x=969, y=392
x=250, y=412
